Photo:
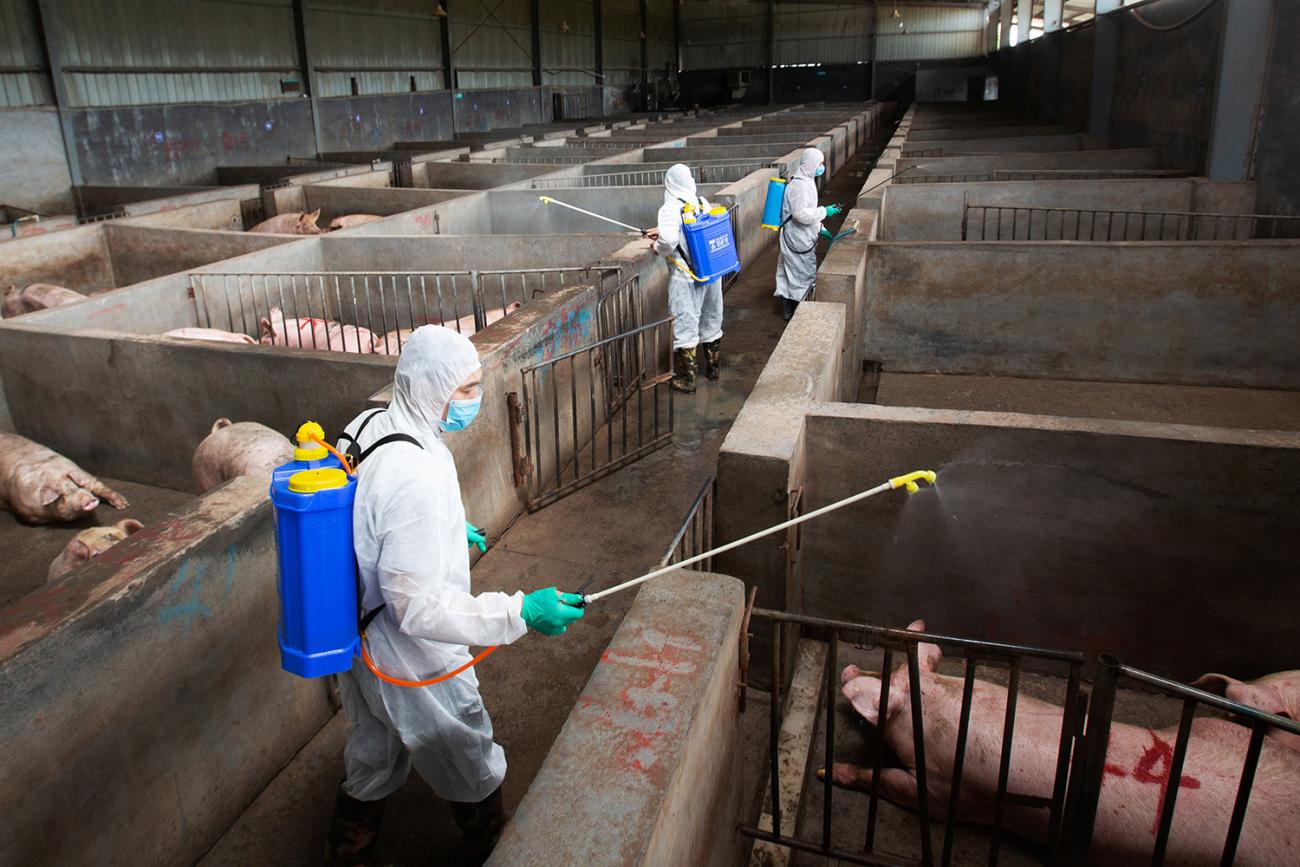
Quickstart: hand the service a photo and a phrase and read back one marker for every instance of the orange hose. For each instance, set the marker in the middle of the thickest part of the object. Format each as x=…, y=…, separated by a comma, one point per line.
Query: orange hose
x=374, y=669
x=365, y=654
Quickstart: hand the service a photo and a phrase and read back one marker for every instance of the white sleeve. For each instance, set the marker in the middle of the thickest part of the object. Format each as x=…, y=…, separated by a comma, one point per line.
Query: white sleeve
x=803, y=204
x=412, y=578
x=670, y=230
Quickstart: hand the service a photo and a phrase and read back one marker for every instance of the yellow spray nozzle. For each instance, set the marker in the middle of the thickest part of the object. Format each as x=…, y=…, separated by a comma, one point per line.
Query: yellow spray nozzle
x=910, y=480
x=545, y=200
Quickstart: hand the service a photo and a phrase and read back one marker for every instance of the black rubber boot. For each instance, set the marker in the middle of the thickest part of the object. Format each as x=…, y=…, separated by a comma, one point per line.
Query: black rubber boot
x=685, y=366
x=788, y=308
x=481, y=824
x=354, y=832
x=713, y=360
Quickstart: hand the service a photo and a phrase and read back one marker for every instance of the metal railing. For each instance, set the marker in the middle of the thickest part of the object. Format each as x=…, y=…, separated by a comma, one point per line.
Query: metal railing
x=919, y=176
x=251, y=212
x=707, y=174
x=906, y=643
x=386, y=305
x=698, y=531
x=1019, y=223
x=1079, y=761
x=102, y=218
x=571, y=436
x=529, y=159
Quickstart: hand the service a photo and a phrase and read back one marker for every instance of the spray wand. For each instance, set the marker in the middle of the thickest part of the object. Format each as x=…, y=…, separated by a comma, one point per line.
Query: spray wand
x=547, y=200
x=908, y=481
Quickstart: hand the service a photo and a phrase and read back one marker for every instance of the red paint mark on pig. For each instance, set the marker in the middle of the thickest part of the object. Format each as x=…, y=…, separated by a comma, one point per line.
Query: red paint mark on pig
x=1154, y=767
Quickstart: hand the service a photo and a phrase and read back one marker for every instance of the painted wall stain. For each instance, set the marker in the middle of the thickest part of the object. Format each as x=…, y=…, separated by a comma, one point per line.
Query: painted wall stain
x=185, y=599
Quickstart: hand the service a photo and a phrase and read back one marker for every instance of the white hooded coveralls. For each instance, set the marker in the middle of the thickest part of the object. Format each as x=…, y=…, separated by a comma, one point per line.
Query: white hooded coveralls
x=696, y=307
x=801, y=219
x=409, y=535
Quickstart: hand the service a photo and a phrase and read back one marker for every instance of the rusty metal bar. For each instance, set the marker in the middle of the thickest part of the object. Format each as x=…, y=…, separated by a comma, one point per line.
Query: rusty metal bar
x=959, y=758
x=1173, y=782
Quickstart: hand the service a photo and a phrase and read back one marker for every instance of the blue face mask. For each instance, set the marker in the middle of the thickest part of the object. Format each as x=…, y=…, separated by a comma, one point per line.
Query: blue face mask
x=821, y=170
x=460, y=413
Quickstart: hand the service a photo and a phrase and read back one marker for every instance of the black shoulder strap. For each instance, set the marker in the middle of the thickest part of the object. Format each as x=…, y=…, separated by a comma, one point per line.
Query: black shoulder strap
x=352, y=438
x=383, y=441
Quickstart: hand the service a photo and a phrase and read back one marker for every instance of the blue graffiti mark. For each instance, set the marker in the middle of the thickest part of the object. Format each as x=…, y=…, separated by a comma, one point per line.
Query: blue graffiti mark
x=192, y=607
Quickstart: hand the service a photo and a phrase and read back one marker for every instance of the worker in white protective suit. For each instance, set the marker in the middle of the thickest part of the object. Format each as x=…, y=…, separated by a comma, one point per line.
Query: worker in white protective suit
x=801, y=226
x=696, y=307
x=410, y=537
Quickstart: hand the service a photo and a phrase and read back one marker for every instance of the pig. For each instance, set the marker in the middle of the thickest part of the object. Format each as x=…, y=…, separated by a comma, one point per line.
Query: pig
x=391, y=343
x=41, y=486
x=293, y=223
x=315, y=334
x=91, y=543
x=347, y=221
x=1277, y=693
x=216, y=335
x=1132, y=789
x=238, y=449
x=37, y=296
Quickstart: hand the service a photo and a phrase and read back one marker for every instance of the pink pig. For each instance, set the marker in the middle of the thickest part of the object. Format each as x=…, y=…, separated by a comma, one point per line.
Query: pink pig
x=347, y=221
x=215, y=335
x=322, y=334
x=1132, y=793
x=37, y=296
x=41, y=486
x=294, y=223
x=91, y=543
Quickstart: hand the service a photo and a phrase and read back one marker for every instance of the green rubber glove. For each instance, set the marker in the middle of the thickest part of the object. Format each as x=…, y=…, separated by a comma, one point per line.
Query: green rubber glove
x=826, y=235
x=475, y=536
x=833, y=210
x=550, y=612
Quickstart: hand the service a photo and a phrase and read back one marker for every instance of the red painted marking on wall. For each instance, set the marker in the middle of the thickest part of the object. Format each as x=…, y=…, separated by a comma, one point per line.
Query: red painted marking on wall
x=1153, y=767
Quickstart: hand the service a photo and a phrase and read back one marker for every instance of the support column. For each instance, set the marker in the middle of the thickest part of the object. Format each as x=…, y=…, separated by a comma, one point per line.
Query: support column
x=771, y=49
x=535, y=15
x=1242, y=63
x=1004, y=25
x=1053, y=12
x=444, y=33
x=1105, y=54
x=1024, y=20
x=49, y=30
x=596, y=23
x=645, y=58
x=308, y=68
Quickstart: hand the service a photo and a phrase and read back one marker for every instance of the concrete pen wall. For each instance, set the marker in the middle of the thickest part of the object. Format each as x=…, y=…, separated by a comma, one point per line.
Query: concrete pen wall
x=1126, y=159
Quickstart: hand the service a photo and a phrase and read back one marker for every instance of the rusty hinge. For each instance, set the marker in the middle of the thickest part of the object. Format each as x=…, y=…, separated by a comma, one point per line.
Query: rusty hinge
x=523, y=467
x=744, y=645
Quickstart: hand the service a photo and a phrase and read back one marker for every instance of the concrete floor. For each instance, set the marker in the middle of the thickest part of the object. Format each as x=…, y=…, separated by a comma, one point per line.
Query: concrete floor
x=29, y=550
x=1253, y=408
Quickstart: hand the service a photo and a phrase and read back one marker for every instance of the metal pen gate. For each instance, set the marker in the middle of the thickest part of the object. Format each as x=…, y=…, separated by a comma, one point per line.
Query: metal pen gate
x=585, y=413
x=1024, y=223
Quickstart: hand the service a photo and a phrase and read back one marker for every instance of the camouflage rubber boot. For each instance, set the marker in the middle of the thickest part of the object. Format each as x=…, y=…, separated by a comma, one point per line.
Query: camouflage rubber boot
x=713, y=360
x=684, y=374
x=354, y=832
x=481, y=824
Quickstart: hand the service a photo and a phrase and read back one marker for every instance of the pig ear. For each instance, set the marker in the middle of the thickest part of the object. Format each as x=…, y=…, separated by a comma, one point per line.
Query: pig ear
x=264, y=326
x=314, y=215
x=1261, y=697
x=1214, y=682
x=48, y=494
x=79, y=551
x=129, y=526
x=222, y=422
x=928, y=655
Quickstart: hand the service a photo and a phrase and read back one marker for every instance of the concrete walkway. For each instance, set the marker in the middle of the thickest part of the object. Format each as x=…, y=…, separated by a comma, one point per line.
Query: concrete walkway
x=612, y=530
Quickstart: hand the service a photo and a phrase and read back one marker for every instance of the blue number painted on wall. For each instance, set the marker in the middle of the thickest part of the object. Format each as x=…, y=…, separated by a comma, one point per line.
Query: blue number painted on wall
x=184, y=598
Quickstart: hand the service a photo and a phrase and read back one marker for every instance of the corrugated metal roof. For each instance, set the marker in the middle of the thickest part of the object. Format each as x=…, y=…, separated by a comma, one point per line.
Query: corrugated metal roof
x=717, y=35
x=23, y=80
x=382, y=45
x=823, y=33
x=928, y=32
x=494, y=35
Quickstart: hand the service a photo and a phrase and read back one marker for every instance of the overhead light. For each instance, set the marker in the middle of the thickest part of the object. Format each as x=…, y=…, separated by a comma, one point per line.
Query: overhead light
x=439, y=12
x=896, y=14
x=564, y=27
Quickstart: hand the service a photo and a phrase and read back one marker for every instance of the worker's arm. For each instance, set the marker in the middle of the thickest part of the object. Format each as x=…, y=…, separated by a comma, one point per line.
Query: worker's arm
x=415, y=563
x=670, y=230
x=802, y=195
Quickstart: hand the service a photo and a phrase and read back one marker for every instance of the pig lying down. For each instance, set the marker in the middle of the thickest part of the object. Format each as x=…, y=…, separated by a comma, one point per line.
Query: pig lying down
x=238, y=449
x=37, y=296
x=392, y=342
x=295, y=223
x=41, y=486
x=91, y=543
x=1132, y=792
x=347, y=221
x=315, y=334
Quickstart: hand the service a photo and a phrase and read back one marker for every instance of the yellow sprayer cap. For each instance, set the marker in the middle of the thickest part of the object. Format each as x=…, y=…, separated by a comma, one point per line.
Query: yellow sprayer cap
x=311, y=481
x=717, y=212
x=778, y=180
x=308, y=449
x=688, y=220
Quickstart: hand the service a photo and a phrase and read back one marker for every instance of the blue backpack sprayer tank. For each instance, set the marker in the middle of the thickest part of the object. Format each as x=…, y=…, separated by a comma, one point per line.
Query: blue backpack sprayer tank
x=708, y=238
x=772, y=204
x=321, y=626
